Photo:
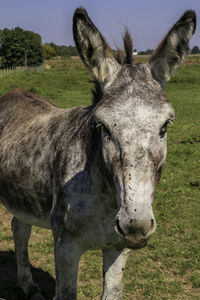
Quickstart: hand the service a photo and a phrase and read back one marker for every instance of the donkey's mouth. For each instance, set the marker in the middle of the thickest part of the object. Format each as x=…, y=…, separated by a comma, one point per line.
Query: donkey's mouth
x=136, y=245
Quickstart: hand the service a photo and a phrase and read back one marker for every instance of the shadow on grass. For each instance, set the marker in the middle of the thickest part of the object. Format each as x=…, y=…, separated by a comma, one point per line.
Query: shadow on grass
x=8, y=279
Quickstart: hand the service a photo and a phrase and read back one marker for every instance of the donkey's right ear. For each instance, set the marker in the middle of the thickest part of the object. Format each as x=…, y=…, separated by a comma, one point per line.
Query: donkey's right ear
x=92, y=48
x=174, y=48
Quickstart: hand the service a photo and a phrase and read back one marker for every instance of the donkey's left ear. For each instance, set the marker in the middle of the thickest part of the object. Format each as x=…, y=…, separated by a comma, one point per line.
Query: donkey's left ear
x=92, y=48
x=174, y=48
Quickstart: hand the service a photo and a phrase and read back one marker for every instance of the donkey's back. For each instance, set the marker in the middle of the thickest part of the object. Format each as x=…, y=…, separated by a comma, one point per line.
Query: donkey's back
x=24, y=105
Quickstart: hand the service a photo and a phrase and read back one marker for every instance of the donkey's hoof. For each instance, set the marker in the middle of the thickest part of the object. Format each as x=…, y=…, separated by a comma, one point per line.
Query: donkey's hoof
x=36, y=296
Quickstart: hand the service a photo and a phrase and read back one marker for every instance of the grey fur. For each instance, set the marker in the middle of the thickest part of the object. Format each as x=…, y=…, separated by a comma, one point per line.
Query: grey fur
x=88, y=173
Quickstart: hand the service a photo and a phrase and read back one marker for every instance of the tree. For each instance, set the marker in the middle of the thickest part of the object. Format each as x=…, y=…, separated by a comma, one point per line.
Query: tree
x=66, y=51
x=147, y=52
x=49, y=51
x=72, y=51
x=62, y=51
x=195, y=50
x=20, y=47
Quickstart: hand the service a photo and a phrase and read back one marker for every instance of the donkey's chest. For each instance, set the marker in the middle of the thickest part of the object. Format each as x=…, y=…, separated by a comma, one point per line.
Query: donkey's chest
x=91, y=218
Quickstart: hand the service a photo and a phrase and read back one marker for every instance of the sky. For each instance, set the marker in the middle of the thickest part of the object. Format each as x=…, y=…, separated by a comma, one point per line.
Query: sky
x=147, y=20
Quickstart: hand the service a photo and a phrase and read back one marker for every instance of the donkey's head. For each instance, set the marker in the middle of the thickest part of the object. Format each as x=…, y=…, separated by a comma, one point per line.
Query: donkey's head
x=133, y=114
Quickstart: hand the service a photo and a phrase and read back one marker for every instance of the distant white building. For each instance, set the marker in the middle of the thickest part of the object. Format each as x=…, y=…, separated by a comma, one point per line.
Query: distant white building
x=135, y=53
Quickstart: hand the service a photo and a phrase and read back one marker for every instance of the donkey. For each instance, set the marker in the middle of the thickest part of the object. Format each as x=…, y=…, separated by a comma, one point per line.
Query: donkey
x=89, y=173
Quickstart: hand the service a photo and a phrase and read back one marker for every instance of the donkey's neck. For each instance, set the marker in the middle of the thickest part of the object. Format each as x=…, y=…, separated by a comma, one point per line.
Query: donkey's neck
x=103, y=186
x=86, y=172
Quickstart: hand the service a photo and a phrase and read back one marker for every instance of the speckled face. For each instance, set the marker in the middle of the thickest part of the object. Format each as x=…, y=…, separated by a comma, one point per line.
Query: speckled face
x=133, y=115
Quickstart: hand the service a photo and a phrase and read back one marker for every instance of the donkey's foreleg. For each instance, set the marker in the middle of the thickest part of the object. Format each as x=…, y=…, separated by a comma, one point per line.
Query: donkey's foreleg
x=114, y=262
x=21, y=235
x=67, y=255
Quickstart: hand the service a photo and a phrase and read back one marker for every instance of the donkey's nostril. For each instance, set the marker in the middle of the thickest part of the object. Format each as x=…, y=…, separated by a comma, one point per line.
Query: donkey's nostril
x=119, y=228
x=152, y=223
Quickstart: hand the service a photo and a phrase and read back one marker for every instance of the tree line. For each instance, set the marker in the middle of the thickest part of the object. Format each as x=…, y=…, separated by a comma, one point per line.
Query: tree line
x=19, y=47
x=51, y=50
x=194, y=50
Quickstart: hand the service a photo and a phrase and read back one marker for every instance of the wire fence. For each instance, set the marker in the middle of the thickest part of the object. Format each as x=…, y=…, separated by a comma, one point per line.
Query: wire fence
x=8, y=71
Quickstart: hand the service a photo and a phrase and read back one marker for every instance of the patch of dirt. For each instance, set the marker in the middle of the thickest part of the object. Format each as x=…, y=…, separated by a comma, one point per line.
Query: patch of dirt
x=5, y=217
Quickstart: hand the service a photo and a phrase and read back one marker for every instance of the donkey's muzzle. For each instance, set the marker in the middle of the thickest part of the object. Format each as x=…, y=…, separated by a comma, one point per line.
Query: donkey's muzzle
x=135, y=233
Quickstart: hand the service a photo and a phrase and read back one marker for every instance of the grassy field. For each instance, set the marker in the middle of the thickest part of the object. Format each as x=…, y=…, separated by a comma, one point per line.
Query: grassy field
x=169, y=267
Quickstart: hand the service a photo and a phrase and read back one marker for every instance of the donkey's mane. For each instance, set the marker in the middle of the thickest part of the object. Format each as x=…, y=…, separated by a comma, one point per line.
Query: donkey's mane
x=123, y=57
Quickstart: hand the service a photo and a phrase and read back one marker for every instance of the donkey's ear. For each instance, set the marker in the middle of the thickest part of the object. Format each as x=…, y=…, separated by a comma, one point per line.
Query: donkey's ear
x=174, y=48
x=92, y=48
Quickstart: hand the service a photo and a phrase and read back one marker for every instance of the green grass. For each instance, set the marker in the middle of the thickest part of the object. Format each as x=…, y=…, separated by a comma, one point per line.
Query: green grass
x=169, y=267
x=66, y=87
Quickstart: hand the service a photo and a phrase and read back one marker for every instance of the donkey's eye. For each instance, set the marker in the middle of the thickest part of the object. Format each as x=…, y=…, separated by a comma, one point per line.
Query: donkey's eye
x=105, y=131
x=163, y=131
